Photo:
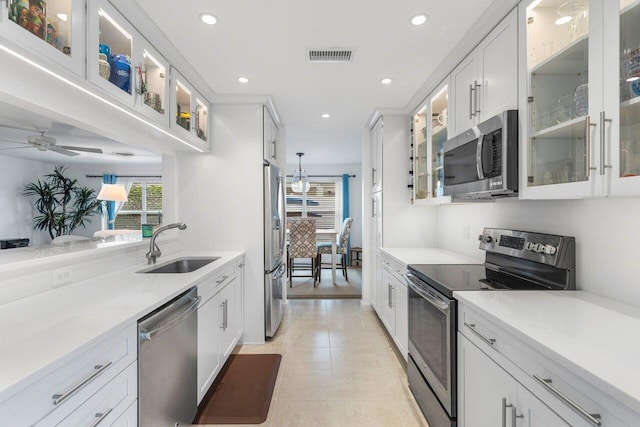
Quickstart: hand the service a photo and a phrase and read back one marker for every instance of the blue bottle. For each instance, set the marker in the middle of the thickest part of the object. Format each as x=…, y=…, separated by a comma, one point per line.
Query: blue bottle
x=121, y=72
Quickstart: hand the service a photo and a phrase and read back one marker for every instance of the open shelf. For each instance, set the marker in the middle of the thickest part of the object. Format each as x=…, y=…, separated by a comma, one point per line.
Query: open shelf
x=564, y=130
x=572, y=58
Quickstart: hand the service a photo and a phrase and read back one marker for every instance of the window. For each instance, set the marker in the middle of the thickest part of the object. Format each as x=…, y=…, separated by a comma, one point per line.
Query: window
x=143, y=207
x=322, y=204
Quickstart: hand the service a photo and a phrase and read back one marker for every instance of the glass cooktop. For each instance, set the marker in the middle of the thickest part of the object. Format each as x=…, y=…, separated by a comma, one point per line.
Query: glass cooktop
x=447, y=278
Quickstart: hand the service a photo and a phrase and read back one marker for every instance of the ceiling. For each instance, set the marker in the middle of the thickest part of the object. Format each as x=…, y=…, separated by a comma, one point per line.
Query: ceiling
x=266, y=41
x=16, y=125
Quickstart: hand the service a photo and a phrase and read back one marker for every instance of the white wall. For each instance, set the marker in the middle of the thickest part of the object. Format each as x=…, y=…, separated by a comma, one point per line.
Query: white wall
x=220, y=198
x=606, y=232
x=355, y=190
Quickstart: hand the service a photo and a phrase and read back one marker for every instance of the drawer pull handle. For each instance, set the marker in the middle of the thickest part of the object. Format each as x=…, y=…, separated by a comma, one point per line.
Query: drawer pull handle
x=99, y=369
x=546, y=383
x=222, y=279
x=100, y=417
x=472, y=328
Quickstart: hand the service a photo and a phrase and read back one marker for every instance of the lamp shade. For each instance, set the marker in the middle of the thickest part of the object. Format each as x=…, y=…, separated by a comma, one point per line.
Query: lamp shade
x=113, y=193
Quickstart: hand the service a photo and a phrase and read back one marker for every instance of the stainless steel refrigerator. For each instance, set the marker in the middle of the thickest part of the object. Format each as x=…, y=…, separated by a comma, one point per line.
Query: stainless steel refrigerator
x=274, y=246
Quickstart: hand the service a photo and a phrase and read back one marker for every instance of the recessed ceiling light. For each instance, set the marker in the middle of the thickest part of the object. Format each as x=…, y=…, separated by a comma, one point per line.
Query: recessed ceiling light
x=208, y=18
x=325, y=115
x=563, y=20
x=243, y=80
x=386, y=81
x=419, y=19
x=62, y=16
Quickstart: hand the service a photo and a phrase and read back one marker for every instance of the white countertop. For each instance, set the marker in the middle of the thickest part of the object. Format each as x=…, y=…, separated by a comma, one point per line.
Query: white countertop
x=46, y=330
x=593, y=337
x=408, y=256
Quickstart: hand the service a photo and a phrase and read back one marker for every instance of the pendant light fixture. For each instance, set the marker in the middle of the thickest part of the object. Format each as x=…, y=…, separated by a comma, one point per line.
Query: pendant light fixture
x=300, y=180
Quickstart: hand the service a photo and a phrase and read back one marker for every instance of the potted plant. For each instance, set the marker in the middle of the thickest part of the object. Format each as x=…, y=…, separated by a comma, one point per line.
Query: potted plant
x=62, y=204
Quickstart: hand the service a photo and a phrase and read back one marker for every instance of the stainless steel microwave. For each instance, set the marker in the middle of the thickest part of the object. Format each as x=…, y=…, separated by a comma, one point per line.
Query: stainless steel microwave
x=482, y=163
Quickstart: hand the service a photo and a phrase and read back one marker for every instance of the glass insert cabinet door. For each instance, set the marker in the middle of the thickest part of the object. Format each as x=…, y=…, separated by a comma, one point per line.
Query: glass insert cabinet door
x=51, y=28
x=628, y=156
x=439, y=121
x=420, y=173
x=559, y=124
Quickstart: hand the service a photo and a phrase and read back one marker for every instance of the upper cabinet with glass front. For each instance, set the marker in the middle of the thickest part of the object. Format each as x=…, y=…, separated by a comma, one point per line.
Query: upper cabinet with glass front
x=430, y=124
x=581, y=122
x=53, y=29
x=190, y=111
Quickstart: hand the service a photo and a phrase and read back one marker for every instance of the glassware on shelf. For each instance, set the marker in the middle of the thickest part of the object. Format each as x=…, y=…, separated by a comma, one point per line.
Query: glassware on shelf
x=581, y=100
x=574, y=13
x=564, y=110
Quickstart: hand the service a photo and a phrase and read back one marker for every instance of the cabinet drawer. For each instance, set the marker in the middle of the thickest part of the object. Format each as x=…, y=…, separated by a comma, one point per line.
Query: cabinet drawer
x=395, y=268
x=65, y=387
x=129, y=418
x=531, y=368
x=105, y=406
x=212, y=284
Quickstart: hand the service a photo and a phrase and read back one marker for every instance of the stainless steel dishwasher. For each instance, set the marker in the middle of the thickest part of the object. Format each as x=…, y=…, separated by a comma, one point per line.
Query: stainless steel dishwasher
x=167, y=363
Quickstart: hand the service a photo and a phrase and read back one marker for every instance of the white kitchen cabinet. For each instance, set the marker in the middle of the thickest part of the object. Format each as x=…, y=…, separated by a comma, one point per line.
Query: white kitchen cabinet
x=189, y=111
x=54, y=30
x=152, y=82
x=489, y=396
x=65, y=388
x=129, y=418
x=110, y=32
x=582, y=119
x=392, y=302
x=376, y=155
x=430, y=124
x=486, y=81
x=493, y=362
x=270, y=137
x=482, y=387
x=220, y=321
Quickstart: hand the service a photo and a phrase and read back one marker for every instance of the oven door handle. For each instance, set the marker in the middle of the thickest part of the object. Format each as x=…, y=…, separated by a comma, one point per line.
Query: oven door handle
x=441, y=305
x=479, y=165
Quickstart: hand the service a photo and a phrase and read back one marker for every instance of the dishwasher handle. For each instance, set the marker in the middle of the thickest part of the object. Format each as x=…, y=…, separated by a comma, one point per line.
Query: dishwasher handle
x=164, y=327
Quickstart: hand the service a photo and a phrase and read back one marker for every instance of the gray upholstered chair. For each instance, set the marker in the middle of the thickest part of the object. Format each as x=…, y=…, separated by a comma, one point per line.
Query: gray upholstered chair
x=302, y=244
x=341, y=247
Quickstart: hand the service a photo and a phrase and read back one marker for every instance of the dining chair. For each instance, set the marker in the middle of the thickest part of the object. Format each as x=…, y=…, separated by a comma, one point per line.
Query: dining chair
x=341, y=248
x=302, y=244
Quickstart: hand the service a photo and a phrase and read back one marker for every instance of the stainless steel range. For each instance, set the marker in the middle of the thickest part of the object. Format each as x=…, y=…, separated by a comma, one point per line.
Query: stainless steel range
x=514, y=260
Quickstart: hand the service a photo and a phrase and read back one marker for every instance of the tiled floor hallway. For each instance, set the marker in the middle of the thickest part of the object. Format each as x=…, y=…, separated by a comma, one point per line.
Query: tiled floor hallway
x=338, y=369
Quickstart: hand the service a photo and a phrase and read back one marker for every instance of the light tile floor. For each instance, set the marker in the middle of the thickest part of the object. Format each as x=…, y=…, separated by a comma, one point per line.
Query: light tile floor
x=338, y=369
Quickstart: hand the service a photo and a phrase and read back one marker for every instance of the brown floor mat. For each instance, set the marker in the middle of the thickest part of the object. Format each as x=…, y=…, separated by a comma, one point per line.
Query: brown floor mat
x=242, y=392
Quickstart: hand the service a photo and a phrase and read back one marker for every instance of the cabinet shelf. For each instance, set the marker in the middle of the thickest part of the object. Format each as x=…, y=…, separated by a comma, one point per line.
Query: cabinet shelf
x=564, y=130
x=571, y=59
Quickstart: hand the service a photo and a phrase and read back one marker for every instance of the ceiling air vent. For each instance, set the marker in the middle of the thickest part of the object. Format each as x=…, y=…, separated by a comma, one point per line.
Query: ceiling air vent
x=329, y=55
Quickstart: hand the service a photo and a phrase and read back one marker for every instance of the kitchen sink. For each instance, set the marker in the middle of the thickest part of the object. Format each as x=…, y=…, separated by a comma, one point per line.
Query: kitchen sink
x=181, y=265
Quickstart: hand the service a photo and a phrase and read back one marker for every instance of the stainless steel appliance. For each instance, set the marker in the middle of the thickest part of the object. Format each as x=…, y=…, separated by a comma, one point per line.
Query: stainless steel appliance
x=274, y=246
x=167, y=363
x=482, y=163
x=514, y=260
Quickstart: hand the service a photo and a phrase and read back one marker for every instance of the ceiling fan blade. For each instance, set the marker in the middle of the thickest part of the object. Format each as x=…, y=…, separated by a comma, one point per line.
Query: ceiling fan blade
x=15, y=142
x=14, y=148
x=59, y=150
x=27, y=129
x=86, y=149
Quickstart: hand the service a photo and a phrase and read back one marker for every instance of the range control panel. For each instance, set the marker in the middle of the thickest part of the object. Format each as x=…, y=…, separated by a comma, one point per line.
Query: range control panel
x=539, y=247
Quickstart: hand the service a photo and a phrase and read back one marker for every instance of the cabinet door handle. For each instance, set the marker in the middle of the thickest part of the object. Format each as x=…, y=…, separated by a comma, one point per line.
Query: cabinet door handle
x=100, y=417
x=471, y=101
x=546, y=383
x=515, y=416
x=588, y=125
x=222, y=279
x=222, y=323
x=373, y=208
x=476, y=96
x=99, y=369
x=472, y=328
x=373, y=176
x=504, y=411
x=226, y=314
x=603, y=136
x=273, y=148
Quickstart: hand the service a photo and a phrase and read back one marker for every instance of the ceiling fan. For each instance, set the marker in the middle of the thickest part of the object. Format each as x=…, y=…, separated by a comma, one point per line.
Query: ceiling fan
x=44, y=142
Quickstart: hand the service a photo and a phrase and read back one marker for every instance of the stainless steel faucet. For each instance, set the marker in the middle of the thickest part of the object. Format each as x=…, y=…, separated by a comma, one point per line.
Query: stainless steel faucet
x=154, y=250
